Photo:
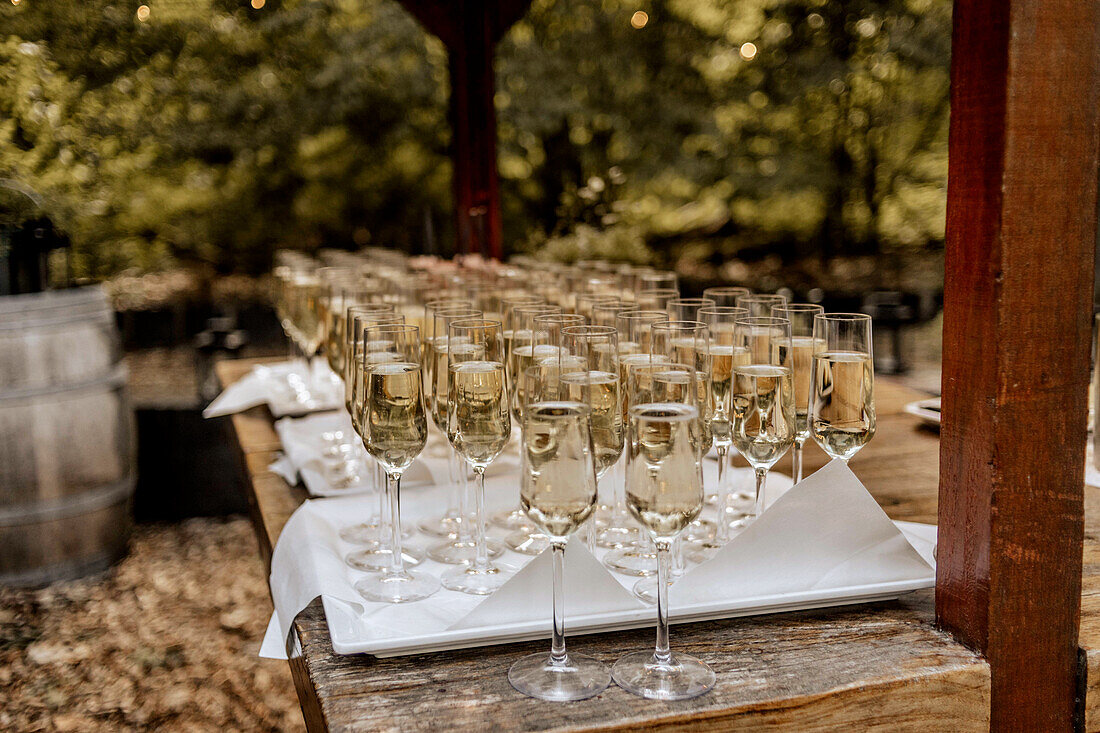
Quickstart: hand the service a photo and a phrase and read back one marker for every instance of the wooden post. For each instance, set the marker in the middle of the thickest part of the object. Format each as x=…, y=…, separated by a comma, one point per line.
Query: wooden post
x=1021, y=225
x=470, y=29
x=474, y=133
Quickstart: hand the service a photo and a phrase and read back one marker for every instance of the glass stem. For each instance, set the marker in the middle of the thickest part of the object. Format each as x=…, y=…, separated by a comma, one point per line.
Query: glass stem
x=662, y=653
x=393, y=495
x=481, y=559
x=458, y=466
x=723, y=497
x=558, y=657
x=383, y=507
x=455, y=507
x=758, y=506
x=796, y=459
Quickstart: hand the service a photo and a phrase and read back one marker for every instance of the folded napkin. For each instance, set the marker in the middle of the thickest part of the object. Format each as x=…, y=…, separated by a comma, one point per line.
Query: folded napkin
x=304, y=444
x=819, y=540
x=266, y=383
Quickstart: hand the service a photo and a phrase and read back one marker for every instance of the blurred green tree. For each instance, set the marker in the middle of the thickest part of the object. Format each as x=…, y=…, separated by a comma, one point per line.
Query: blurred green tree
x=214, y=131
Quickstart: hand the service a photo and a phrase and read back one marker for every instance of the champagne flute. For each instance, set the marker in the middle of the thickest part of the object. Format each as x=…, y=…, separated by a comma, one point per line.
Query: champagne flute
x=445, y=525
x=558, y=491
x=664, y=493
x=760, y=305
x=723, y=353
x=669, y=382
x=586, y=301
x=607, y=314
x=347, y=475
x=479, y=424
x=656, y=299
x=541, y=383
x=803, y=348
x=460, y=548
x=395, y=429
x=546, y=335
x=686, y=309
x=372, y=534
x=524, y=339
x=305, y=290
x=762, y=398
x=507, y=305
x=842, y=407
x=342, y=291
x=590, y=374
x=658, y=279
x=725, y=295
x=687, y=342
x=634, y=555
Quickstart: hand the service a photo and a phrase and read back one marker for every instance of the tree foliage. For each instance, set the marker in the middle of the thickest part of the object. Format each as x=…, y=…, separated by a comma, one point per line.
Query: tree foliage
x=212, y=131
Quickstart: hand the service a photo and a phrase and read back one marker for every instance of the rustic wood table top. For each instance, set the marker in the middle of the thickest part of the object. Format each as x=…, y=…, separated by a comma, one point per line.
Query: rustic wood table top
x=881, y=666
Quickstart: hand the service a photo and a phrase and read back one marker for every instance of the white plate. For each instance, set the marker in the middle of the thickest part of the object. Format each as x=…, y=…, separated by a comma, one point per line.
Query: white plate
x=346, y=628
x=927, y=410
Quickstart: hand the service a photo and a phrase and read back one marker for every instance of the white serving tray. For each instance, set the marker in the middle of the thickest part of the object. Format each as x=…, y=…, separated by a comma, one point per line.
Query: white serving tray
x=927, y=410
x=346, y=628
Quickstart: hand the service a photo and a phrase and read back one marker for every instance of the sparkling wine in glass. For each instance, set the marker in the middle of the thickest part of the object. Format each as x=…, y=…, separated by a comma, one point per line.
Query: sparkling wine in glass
x=842, y=406
x=395, y=429
x=803, y=348
x=558, y=492
x=665, y=494
x=479, y=424
x=762, y=398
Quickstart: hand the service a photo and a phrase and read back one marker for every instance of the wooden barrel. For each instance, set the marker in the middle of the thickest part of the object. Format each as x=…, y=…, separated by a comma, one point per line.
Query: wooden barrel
x=67, y=441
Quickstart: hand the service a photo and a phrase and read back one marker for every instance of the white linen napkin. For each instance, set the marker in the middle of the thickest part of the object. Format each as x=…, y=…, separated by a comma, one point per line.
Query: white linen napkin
x=826, y=533
x=266, y=384
x=304, y=443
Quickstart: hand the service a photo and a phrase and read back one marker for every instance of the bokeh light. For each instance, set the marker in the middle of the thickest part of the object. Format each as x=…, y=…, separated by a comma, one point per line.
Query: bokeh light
x=639, y=19
x=143, y=13
x=748, y=51
x=258, y=4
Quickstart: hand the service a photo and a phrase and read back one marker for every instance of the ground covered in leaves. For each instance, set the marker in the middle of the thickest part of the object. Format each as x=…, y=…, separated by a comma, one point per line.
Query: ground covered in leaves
x=166, y=641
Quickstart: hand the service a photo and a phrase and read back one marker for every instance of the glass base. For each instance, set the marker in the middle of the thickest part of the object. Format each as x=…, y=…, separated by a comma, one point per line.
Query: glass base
x=401, y=588
x=527, y=543
x=702, y=552
x=614, y=537
x=462, y=553
x=511, y=519
x=681, y=678
x=369, y=533
x=445, y=527
x=379, y=558
x=577, y=678
x=632, y=560
x=699, y=530
x=466, y=579
x=645, y=590
x=344, y=479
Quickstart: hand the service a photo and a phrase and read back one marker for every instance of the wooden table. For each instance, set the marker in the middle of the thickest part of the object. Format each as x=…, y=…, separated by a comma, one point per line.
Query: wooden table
x=880, y=666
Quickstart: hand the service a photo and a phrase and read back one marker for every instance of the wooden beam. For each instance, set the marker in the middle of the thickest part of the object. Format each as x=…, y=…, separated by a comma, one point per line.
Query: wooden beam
x=474, y=130
x=1021, y=225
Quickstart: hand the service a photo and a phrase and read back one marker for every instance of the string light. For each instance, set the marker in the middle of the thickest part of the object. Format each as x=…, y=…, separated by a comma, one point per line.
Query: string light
x=639, y=19
x=748, y=51
x=143, y=13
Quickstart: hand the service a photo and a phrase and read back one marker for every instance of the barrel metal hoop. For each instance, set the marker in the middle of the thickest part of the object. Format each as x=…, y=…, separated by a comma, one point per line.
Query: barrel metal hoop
x=115, y=379
x=69, y=506
x=96, y=317
x=69, y=570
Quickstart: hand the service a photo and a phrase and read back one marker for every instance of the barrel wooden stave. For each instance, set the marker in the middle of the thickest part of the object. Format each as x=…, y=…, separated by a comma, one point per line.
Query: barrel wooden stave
x=66, y=438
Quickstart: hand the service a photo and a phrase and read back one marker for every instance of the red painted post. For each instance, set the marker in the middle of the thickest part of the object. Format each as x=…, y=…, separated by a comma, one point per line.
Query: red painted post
x=1021, y=228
